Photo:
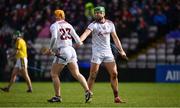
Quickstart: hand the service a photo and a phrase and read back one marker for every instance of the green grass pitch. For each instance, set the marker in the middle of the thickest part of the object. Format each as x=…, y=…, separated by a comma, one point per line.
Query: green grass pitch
x=136, y=95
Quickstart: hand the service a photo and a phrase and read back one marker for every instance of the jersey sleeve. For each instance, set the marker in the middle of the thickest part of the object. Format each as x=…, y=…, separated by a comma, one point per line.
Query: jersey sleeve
x=91, y=27
x=53, y=31
x=113, y=27
x=74, y=35
x=18, y=46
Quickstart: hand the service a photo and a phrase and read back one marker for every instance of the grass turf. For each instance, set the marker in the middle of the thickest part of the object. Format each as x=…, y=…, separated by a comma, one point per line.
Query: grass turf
x=136, y=95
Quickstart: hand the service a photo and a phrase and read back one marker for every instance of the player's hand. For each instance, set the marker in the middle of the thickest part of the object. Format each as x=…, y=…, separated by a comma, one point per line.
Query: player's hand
x=48, y=52
x=124, y=56
x=77, y=45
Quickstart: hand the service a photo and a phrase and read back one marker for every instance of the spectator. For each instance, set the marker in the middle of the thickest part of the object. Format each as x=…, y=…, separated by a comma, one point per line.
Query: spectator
x=89, y=10
x=21, y=63
x=160, y=18
x=31, y=59
x=176, y=50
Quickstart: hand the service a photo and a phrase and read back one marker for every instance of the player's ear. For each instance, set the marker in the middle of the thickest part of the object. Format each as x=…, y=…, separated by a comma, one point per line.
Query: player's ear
x=104, y=13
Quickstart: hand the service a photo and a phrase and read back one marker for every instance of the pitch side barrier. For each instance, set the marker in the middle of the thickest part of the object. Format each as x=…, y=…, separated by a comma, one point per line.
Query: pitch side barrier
x=168, y=73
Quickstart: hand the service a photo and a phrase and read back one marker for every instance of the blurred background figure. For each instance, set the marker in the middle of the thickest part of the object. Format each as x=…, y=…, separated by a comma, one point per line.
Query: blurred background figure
x=89, y=11
x=21, y=65
x=31, y=51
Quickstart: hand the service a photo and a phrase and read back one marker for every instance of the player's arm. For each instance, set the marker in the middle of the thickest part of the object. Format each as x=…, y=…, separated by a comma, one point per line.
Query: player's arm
x=16, y=51
x=85, y=34
x=52, y=43
x=53, y=32
x=116, y=40
x=11, y=53
x=76, y=38
x=17, y=47
x=118, y=45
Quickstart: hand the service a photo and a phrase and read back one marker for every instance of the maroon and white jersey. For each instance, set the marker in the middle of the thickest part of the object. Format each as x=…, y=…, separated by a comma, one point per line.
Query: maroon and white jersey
x=101, y=35
x=63, y=32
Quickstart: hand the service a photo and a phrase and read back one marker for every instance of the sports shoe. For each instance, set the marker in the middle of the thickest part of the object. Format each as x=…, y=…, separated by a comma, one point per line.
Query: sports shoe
x=5, y=89
x=118, y=100
x=88, y=96
x=55, y=99
x=29, y=91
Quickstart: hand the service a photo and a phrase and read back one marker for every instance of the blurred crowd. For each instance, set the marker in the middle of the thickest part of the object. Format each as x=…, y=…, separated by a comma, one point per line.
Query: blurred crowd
x=33, y=17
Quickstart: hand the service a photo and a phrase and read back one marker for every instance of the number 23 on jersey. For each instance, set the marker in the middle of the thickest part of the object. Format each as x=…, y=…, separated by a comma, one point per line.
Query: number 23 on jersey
x=65, y=33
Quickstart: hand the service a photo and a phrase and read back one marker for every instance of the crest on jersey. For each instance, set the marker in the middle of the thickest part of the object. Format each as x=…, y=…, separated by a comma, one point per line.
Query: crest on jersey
x=104, y=27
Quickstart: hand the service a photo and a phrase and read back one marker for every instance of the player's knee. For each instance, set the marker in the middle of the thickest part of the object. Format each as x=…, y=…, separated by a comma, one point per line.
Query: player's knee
x=14, y=74
x=93, y=75
x=114, y=75
x=53, y=75
x=76, y=76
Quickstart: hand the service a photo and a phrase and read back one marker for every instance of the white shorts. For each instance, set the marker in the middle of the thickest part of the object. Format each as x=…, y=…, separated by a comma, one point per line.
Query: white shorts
x=68, y=53
x=21, y=63
x=99, y=57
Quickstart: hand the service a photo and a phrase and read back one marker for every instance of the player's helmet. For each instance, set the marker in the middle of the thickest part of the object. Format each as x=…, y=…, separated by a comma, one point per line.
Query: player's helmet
x=17, y=34
x=59, y=14
x=99, y=9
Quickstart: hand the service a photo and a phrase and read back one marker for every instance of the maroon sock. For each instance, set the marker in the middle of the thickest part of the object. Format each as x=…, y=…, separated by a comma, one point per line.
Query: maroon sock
x=115, y=93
